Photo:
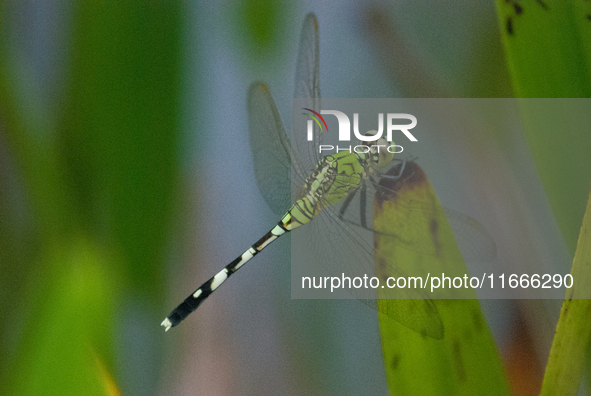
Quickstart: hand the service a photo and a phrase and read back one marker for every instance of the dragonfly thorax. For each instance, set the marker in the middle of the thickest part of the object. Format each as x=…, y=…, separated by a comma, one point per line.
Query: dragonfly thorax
x=333, y=178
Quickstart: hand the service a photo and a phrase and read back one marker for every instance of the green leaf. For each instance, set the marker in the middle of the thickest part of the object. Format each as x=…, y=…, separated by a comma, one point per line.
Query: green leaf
x=71, y=311
x=121, y=128
x=548, y=50
x=548, y=47
x=568, y=352
x=464, y=360
x=99, y=170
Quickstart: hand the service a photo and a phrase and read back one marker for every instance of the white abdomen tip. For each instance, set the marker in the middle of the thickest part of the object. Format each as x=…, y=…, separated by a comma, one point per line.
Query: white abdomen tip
x=167, y=325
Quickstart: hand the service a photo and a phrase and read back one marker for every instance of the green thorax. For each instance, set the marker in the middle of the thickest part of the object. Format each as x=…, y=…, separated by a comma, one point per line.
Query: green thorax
x=333, y=178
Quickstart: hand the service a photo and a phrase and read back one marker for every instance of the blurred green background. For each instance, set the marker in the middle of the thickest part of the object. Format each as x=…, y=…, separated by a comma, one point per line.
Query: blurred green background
x=126, y=181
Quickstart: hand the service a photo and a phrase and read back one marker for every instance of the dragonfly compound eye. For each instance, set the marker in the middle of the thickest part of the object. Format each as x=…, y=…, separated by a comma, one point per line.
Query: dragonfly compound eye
x=384, y=155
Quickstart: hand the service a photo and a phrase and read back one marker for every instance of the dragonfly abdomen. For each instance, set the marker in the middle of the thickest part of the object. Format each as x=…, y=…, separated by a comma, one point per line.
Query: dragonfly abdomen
x=192, y=302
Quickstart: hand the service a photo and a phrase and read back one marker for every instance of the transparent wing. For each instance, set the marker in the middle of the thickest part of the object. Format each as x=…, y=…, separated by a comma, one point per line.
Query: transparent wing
x=272, y=153
x=474, y=241
x=307, y=87
x=275, y=158
x=343, y=239
x=307, y=84
x=342, y=247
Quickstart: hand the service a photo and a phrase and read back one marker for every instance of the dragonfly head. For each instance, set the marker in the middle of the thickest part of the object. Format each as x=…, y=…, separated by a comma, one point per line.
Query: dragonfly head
x=379, y=150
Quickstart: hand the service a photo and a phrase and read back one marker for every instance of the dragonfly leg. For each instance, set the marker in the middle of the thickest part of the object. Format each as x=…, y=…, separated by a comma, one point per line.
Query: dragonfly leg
x=346, y=203
x=362, y=206
x=394, y=177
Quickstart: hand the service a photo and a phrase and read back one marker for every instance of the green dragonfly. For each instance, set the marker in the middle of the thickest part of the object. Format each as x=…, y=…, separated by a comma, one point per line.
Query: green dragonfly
x=333, y=195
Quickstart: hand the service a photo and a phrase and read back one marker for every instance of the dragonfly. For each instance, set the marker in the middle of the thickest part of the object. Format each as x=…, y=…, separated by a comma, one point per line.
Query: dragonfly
x=325, y=196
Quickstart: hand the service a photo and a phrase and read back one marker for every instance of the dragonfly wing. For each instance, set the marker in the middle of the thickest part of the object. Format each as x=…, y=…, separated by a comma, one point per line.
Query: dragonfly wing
x=275, y=158
x=348, y=250
x=343, y=248
x=420, y=315
x=271, y=149
x=474, y=241
x=411, y=238
x=307, y=88
x=307, y=69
